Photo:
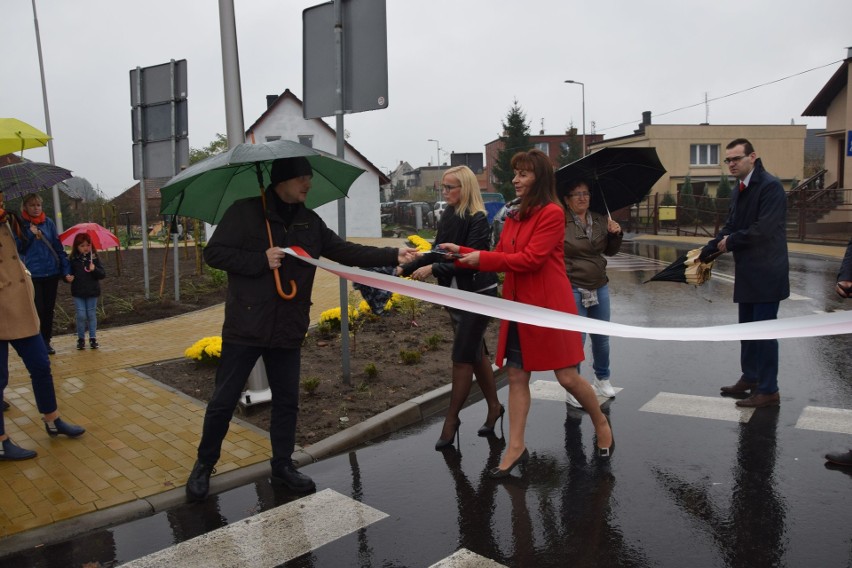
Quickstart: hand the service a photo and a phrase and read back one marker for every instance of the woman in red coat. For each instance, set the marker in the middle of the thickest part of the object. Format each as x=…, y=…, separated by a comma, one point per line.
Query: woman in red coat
x=530, y=252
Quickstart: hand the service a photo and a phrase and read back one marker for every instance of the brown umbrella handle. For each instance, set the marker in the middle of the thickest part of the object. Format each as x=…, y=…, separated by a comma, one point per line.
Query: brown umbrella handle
x=278, y=288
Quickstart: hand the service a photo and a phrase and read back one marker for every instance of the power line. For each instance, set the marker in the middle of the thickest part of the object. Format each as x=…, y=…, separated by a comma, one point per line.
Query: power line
x=728, y=95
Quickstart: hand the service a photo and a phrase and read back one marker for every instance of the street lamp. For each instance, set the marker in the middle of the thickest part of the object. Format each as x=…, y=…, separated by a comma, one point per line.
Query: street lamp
x=583, y=92
x=437, y=151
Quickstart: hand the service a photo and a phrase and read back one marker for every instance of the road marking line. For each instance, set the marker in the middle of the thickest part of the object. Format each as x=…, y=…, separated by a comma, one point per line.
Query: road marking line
x=272, y=537
x=714, y=408
x=464, y=558
x=825, y=419
x=552, y=390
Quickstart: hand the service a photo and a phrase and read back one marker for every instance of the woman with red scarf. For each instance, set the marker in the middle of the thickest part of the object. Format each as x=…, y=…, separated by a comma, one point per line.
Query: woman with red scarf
x=19, y=328
x=46, y=260
x=530, y=253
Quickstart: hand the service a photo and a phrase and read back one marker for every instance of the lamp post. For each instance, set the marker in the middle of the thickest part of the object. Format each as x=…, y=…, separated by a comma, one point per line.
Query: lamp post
x=437, y=151
x=583, y=93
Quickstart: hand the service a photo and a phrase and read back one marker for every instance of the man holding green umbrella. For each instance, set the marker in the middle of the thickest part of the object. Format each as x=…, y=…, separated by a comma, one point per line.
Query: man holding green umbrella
x=261, y=319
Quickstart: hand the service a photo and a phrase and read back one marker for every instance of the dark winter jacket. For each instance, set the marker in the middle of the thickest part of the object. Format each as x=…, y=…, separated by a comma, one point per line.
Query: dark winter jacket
x=757, y=236
x=86, y=284
x=584, y=260
x=471, y=231
x=845, y=274
x=44, y=257
x=254, y=312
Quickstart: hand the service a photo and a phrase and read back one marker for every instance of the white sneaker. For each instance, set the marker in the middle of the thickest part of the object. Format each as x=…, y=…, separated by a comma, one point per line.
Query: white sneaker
x=603, y=388
x=569, y=398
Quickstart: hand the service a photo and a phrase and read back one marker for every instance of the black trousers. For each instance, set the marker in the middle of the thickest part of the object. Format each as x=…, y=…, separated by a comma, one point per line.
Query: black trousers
x=283, y=367
x=45, y=303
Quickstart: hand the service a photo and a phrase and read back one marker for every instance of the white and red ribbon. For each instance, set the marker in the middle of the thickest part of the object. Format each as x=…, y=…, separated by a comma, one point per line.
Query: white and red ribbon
x=835, y=323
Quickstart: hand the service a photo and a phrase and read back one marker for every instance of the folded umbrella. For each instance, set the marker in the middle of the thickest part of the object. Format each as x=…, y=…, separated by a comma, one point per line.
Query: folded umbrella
x=17, y=136
x=687, y=269
x=102, y=238
x=30, y=177
x=617, y=177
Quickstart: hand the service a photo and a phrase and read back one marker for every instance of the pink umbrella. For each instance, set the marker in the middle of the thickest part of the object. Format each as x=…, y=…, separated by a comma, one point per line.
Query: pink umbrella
x=101, y=237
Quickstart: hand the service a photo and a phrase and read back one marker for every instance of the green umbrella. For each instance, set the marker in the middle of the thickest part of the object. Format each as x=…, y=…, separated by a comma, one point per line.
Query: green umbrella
x=206, y=189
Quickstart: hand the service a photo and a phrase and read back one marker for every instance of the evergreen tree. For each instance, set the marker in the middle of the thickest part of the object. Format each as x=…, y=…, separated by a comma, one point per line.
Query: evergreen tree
x=571, y=148
x=687, y=201
x=667, y=200
x=723, y=194
x=515, y=138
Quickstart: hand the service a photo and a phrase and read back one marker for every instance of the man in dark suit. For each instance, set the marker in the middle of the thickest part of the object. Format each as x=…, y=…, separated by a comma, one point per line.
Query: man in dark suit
x=844, y=290
x=755, y=232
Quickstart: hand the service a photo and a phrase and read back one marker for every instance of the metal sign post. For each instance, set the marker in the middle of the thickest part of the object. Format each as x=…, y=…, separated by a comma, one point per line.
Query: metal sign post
x=345, y=70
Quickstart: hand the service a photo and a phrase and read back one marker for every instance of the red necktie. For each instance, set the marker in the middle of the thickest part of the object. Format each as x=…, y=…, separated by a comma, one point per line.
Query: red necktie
x=742, y=186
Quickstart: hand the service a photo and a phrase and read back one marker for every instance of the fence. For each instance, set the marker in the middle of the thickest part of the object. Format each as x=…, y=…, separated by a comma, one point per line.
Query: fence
x=814, y=214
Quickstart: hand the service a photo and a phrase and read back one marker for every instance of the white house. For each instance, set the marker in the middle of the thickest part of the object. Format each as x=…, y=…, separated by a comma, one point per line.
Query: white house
x=283, y=120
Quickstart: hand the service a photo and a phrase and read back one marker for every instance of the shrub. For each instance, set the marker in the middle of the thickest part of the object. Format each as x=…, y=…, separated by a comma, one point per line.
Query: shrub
x=410, y=357
x=205, y=350
x=433, y=341
x=371, y=371
x=310, y=384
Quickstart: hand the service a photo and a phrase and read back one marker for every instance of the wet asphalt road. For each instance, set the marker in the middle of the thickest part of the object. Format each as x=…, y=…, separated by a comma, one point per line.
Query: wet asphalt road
x=680, y=490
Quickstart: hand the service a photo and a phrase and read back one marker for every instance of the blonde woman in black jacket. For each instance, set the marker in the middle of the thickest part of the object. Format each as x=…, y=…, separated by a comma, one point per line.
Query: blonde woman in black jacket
x=463, y=222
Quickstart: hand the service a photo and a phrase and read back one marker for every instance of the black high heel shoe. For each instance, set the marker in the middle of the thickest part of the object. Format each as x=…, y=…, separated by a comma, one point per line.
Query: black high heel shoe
x=498, y=473
x=442, y=443
x=606, y=453
x=487, y=430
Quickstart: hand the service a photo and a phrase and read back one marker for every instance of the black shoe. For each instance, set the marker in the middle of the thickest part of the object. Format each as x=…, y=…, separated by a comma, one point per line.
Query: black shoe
x=292, y=479
x=59, y=426
x=487, y=430
x=498, y=473
x=198, y=484
x=50, y=349
x=442, y=443
x=81, y=344
x=10, y=451
x=6, y=406
x=840, y=458
x=93, y=343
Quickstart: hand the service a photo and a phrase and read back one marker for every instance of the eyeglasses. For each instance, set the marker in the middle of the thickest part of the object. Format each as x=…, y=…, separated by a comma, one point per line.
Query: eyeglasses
x=581, y=195
x=449, y=187
x=733, y=160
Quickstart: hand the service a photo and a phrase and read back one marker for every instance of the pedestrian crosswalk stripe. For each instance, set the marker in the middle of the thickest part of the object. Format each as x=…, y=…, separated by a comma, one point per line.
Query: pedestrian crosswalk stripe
x=714, y=408
x=464, y=558
x=826, y=419
x=272, y=537
x=552, y=390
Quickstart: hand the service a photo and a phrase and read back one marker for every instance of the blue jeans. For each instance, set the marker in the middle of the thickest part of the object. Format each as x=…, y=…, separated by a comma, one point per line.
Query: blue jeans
x=759, y=357
x=283, y=367
x=33, y=351
x=600, y=343
x=87, y=316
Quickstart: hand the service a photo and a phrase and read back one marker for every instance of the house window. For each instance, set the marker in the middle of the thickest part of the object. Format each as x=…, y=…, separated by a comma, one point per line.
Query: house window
x=543, y=146
x=704, y=155
x=272, y=138
x=306, y=140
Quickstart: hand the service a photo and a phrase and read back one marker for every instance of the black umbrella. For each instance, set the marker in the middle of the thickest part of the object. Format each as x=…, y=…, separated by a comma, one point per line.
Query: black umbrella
x=617, y=177
x=687, y=269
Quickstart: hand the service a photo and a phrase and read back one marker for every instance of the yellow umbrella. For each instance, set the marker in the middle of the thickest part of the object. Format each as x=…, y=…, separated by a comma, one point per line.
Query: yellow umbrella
x=17, y=136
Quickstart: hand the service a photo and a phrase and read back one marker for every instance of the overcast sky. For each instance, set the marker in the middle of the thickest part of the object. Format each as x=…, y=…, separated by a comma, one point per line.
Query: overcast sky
x=455, y=67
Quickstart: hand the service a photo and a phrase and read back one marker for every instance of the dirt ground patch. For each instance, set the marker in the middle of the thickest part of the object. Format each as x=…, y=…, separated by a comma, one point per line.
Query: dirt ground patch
x=334, y=406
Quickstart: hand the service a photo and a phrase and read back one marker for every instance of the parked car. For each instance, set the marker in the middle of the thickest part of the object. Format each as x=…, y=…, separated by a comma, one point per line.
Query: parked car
x=433, y=216
x=493, y=202
x=409, y=214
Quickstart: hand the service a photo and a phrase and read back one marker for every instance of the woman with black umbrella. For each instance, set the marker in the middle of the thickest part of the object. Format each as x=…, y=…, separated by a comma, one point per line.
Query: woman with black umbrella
x=588, y=237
